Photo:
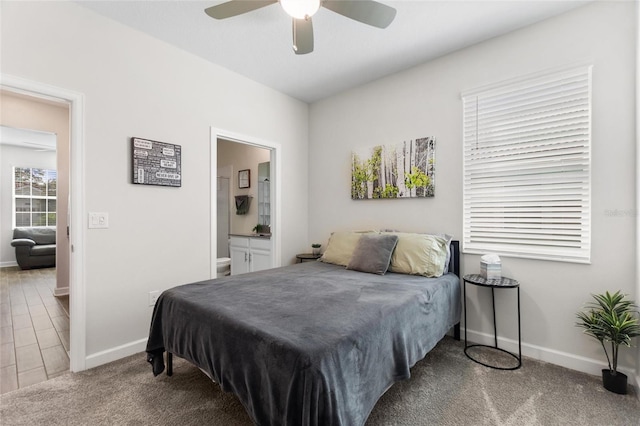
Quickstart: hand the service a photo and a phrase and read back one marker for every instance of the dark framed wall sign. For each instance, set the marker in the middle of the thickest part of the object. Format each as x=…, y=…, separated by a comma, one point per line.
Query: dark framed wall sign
x=244, y=178
x=156, y=163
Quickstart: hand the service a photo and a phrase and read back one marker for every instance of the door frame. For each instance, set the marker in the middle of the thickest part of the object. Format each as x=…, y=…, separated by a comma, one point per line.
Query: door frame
x=276, y=208
x=77, y=273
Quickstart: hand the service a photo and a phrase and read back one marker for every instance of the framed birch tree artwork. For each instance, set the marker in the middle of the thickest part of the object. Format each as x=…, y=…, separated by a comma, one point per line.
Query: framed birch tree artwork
x=405, y=170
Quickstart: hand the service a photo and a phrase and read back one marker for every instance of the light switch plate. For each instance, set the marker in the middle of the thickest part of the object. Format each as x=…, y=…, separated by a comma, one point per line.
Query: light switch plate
x=98, y=220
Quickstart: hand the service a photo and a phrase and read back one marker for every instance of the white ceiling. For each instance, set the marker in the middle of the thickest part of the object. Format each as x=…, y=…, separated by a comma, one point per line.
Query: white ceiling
x=347, y=53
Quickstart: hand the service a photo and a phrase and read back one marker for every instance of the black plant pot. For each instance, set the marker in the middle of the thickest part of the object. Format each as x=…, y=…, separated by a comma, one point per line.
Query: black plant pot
x=614, y=383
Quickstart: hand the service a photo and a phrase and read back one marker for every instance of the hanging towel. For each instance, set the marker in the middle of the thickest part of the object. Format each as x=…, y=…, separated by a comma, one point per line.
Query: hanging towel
x=242, y=204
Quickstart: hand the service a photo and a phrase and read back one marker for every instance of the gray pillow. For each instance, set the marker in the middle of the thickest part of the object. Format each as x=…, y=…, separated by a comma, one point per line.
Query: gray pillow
x=373, y=253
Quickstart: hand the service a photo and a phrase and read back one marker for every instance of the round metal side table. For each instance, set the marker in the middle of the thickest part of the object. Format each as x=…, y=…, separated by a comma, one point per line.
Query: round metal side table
x=504, y=282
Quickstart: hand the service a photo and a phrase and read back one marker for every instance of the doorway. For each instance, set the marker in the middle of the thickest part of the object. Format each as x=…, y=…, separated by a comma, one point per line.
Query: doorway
x=34, y=141
x=273, y=154
x=74, y=201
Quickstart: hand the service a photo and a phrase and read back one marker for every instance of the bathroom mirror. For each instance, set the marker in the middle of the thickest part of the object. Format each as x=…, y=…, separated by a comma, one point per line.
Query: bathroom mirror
x=264, y=193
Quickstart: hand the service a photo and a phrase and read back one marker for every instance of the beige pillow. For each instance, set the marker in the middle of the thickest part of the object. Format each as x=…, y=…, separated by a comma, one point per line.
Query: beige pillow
x=340, y=247
x=419, y=254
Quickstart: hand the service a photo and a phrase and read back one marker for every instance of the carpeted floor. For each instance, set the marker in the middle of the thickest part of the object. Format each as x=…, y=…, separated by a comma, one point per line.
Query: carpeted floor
x=446, y=388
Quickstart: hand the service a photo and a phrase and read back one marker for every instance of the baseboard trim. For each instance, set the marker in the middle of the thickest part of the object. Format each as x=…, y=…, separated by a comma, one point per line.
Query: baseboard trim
x=563, y=359
x=114, y=354
x=61, y=291
x=8, y=264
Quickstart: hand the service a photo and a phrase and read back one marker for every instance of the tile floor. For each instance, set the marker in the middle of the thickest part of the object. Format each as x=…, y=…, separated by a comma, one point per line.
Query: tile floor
x=34, y=328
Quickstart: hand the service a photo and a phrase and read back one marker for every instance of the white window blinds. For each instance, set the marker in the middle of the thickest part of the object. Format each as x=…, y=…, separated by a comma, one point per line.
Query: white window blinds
x=527, y=168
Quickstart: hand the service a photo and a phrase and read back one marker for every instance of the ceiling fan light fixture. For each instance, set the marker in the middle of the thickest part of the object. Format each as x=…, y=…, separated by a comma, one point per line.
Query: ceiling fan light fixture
x=368, y=12
x=300, y=9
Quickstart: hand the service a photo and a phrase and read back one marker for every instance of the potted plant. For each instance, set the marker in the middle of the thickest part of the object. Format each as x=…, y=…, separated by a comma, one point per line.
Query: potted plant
x=262, y=229
x=316, y=248
x=611, y=319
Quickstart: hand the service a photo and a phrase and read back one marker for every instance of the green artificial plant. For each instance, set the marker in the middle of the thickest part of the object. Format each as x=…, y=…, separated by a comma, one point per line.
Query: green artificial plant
x=611, y=319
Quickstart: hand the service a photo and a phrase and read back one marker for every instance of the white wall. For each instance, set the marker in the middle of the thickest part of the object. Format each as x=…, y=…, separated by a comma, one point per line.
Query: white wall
x=14, y=156
x=135, y=85
x=425, y=101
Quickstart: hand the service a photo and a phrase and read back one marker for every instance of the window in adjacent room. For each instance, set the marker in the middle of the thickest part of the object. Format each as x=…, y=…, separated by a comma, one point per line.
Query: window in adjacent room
x=34, y=197
x=527, y=165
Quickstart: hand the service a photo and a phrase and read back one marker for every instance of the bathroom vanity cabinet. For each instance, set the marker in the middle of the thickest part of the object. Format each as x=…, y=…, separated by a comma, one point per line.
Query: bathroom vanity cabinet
x=249, y=253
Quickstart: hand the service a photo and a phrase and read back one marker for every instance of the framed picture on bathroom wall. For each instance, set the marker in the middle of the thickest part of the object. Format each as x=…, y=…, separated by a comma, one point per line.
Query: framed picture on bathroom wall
x=244, y=178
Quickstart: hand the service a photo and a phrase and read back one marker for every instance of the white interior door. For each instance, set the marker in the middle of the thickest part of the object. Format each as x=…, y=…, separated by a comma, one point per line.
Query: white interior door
x=222, y=195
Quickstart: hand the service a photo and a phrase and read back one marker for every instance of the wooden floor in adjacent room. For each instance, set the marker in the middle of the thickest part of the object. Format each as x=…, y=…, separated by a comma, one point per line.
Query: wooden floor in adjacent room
x=34, y=333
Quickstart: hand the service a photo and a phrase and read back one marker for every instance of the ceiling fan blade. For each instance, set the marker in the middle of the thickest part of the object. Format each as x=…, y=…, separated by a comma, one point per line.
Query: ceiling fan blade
x=236, y=7
x=366, y=11
x=302, y=36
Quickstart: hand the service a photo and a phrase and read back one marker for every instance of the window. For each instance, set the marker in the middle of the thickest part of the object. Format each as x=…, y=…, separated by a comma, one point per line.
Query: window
x=34, y=197
x=526, y=166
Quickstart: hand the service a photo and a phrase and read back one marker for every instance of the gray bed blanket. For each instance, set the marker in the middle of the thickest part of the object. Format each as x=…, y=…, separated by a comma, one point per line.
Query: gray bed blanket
x=306, y=344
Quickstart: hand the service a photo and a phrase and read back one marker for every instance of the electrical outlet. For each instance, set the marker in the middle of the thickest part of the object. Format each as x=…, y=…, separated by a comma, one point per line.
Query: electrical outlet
x=153, y=297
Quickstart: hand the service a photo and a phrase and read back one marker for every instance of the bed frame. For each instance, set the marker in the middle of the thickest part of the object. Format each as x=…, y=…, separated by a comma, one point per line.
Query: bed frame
x=454, y=266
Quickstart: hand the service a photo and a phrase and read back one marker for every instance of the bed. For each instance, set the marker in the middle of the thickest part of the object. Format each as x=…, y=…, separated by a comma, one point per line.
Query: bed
x=308, y=344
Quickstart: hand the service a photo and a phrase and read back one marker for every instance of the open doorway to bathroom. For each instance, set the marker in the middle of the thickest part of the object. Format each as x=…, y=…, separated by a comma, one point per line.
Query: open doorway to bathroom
x=244, y=176
x=243, y=194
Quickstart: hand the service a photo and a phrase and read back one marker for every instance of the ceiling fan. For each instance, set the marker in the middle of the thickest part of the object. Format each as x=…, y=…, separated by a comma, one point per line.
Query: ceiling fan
x=366, y=11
